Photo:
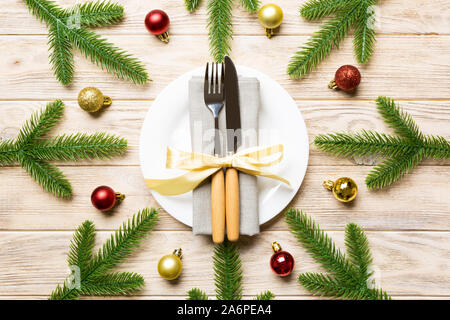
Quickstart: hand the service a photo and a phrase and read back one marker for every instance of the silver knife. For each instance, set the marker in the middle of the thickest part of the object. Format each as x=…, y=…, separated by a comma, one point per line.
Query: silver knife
x=234, y=140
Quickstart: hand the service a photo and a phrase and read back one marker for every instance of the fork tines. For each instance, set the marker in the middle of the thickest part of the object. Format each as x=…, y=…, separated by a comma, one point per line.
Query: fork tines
x=212, y=83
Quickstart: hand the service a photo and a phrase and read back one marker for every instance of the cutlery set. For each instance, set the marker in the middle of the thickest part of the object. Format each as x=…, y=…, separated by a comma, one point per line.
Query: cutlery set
x=220, y=90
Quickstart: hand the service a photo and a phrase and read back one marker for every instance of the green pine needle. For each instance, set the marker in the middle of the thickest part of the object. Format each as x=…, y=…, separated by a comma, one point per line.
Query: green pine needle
x=266, y=295
x=94, y=278
x=197, y=294
x=403, y=152
x=32, y=149
x=67, y=29
x=220, y=28
x=227, y=275
x=95, y=14
x=251, y=5
x=192, y=5
x=347, y=278
x=349, y=14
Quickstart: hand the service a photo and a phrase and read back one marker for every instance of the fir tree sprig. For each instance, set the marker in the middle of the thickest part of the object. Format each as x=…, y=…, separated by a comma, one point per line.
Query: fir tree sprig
x=67, y=29
x=347, y=278
x=192, y=5
x=227, y=276
x=220, y=24
x=403, y=151
x=94, y=277
x=32, y=149
x=349, y=14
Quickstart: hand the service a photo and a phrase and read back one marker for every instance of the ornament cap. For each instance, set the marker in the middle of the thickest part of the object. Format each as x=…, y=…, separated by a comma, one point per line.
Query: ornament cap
x=328, y=184
x=276, y=246
x=164, y=37
x=120, y=196
x=178, y=252
x=332, y=85
x=107, y=101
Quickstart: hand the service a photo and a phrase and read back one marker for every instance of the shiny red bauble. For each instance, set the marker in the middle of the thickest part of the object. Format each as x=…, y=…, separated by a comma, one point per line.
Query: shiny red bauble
x=281, y=262
x=157, y=22
x=104, y=198
x=347, y=78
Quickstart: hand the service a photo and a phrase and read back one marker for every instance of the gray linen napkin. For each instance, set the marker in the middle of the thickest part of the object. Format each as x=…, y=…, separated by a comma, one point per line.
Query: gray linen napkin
x=202, y=138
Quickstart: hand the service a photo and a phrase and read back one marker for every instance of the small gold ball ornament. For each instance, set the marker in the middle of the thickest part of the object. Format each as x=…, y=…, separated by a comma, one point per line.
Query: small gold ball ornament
x=91, y=99
x=344, y=189
x=270, y=16
x=170, y=266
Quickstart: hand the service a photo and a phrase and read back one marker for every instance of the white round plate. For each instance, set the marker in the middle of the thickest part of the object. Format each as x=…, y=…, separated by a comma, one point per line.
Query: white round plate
x=280, y=121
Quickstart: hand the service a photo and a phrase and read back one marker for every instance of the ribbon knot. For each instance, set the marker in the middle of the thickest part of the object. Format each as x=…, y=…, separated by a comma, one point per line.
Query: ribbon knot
x=201, y=166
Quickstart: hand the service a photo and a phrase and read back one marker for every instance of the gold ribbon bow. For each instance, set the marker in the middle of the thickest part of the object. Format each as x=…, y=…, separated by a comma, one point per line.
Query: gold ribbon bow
x=201, y=166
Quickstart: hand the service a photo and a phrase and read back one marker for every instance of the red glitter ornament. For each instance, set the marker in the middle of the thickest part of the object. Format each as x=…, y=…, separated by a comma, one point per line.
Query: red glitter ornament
x=347, y=78
x=281, y=262
x=157, y=23
x=104, y=198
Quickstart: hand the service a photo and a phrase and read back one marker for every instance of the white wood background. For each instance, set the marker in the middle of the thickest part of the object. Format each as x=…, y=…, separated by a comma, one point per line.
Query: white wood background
x=408, y=224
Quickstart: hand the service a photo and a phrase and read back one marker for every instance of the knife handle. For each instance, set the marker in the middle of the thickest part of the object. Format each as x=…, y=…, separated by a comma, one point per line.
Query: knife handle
x=218, y=207
x=232, y=204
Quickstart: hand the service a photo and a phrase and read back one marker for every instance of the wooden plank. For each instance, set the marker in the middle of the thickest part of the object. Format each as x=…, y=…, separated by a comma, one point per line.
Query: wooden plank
x=395, y=16
x=405, y=263
x=419, y=202
x=24, y=62
x=125, y=118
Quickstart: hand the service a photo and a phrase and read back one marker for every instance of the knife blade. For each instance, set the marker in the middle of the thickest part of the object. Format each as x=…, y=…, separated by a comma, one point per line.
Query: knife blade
x=234, y=140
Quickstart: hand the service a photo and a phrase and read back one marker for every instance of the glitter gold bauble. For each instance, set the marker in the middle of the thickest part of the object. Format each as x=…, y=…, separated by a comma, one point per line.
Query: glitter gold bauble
x=170, y=266
x=91, y=99
x=270, y=16
x=344, y=189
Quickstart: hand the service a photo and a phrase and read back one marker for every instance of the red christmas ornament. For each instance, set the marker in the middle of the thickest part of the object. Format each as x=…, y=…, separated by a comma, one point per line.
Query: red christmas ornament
x=104, y=198
x=347, y=78
x=281, y=262
x=157, y=23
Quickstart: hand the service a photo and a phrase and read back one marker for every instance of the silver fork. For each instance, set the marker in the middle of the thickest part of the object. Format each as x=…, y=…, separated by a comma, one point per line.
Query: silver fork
x=214, y=95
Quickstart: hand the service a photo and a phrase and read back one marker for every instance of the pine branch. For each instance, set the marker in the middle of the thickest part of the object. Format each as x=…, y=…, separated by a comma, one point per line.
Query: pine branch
x=358, y=250
x=322, y=42
x=81, y=245
x=347, y=278
x=197, y=294
x=318, y=9
x=251, y=5
x=403, y=152
x=32, y=151
x=79, y=146
x=40, y=123
x=321, y=247
x=220, y=28
x=61, y=57
x=113, y=284
x=397, y=119
x=228, y=272
x=49, y=177
x=392, y=169
x=97, y=49
x=95, y=14
x=364, y=37
x=266, y=295
x=192, y=5
x=93, y=278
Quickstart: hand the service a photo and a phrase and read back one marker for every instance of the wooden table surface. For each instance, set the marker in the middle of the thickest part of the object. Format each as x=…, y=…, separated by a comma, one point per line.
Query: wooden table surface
x=408, y=224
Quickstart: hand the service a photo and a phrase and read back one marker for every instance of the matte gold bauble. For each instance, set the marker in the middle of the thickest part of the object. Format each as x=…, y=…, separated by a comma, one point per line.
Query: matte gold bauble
x=170, y=266
x=344, y=189
x=91, y=99
x=270, y=16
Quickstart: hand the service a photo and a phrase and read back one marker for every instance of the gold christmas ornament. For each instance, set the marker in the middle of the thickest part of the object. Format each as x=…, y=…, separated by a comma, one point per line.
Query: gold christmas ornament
x=91, y=99
x=170, y=266
x=344, y=189
x=270, y=16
